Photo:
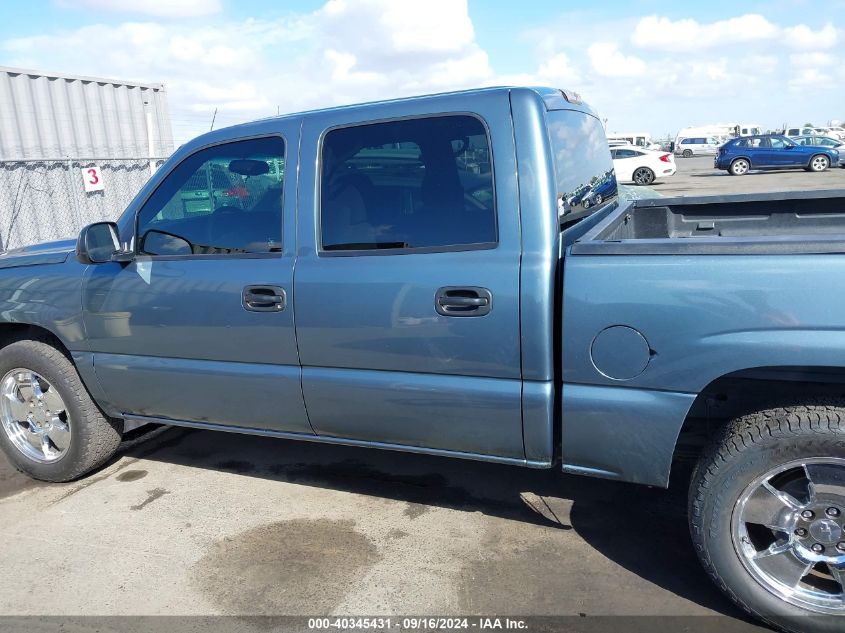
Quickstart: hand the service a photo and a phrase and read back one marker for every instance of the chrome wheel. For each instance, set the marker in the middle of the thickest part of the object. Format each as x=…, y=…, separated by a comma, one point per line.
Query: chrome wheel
x=33, y=416
x=788, y=528
x=819, y=163
x=643, y=176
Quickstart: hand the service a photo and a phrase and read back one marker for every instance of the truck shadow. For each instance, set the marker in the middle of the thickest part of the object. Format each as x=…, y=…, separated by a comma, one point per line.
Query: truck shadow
x=641, y=529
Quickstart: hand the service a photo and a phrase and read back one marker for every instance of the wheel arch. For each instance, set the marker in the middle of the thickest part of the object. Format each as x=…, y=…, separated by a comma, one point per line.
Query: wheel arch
x=83, y=361
x=745, y=391
x=741, y=157
x=816, y=155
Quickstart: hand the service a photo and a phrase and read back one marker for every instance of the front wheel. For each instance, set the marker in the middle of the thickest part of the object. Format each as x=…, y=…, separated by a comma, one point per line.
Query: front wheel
x=687, y=153
x=50, y=428
x=767, y=515
x=819, y=162
x=643, y=176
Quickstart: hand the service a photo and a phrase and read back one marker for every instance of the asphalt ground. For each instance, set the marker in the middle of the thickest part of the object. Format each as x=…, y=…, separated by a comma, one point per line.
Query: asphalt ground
x=197, y=523
x=697, y=177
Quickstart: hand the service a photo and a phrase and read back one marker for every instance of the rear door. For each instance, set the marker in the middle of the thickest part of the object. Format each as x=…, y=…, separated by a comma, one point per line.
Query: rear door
x=199, y=327
x=407, y=279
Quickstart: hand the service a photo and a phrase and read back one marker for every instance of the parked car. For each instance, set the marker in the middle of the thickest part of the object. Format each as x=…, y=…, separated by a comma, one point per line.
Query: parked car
x=772, y=151
x=697, y=146
x=641, y=167
x=604, y=189
x=613, y=341
x=800, y=131
x=837, y=132
x=817, y=141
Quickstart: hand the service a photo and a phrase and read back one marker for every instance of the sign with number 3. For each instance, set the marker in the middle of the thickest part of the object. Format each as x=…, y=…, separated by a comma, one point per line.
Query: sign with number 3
x=92, y=178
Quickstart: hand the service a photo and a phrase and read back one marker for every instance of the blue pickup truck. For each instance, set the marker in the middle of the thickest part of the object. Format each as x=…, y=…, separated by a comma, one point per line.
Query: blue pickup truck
x=427, y=275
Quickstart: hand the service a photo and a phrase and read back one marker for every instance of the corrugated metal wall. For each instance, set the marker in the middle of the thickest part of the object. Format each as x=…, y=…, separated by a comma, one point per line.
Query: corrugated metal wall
x=48, y=116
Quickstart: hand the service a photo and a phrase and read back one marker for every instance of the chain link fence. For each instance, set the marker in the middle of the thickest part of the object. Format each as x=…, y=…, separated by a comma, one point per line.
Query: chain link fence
x=43, y=200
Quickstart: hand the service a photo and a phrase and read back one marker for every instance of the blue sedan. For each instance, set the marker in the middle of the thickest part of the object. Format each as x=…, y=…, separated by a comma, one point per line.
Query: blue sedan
x=772, y=151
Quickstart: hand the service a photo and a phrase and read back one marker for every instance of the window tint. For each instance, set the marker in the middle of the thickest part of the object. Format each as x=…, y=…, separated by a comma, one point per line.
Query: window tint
x=584, y=175
x=224, y=199
x=407, y=184
x=627, y=153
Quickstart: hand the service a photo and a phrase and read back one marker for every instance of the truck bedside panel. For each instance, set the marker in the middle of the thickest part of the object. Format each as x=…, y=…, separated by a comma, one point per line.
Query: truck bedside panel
x=620, y=432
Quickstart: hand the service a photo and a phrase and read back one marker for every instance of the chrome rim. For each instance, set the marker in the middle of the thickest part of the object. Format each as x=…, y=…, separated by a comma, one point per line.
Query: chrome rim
x=788, y=528
x=819, y=163
x=34, y=416
x=740, y=167
x=642, y=176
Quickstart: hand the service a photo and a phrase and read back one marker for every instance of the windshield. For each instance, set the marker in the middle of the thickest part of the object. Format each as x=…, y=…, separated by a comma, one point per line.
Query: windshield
x=584, y=175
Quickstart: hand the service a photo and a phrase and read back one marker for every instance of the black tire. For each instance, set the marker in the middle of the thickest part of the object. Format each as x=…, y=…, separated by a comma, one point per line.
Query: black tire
x=94, y=437
x=818, y=163
x=643, y=176
x=687, y=153
x=748, y=448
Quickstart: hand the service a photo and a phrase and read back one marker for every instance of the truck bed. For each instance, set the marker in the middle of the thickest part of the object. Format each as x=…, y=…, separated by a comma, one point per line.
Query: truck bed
x=784, y=222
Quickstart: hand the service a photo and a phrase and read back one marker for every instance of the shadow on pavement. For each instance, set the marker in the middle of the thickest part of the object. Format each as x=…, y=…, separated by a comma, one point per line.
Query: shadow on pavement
x=641, y=529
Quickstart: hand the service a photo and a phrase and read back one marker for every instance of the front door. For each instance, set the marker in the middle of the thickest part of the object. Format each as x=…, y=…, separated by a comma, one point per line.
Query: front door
x=407, y=282
x=199, y=327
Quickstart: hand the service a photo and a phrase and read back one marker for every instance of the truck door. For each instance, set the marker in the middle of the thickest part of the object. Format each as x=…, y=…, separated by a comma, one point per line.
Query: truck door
x=407, y=281
x=199, y=327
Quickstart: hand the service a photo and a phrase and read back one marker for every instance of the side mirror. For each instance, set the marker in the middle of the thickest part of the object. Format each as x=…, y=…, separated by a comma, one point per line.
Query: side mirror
x=163, y=243
x=98, y=243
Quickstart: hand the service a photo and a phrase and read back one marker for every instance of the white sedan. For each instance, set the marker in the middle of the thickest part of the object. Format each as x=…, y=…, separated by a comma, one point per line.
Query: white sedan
x=641, y=166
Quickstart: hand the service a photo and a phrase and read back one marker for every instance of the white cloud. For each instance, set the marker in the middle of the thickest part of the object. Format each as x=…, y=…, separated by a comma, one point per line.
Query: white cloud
x=342, y=52
x=812, y=60
x=608, y=61
x=559, y=70
x=802, y=36
x=663, y=34
x=156, y=8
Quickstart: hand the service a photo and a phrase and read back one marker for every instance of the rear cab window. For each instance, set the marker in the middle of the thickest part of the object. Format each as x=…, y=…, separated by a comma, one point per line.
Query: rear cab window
x=584, y=176
x=421, y=183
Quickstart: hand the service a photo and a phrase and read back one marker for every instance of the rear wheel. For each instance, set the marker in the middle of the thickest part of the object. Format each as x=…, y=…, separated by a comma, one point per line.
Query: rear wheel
x=50, y=428
x=739, y=167
x=643, y=176
x=687, y=153
x=819, y=162
x=767, y=515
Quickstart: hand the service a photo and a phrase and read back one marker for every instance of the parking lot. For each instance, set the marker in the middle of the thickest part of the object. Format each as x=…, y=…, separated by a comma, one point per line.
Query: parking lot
x=697, y=177
x=199, y=523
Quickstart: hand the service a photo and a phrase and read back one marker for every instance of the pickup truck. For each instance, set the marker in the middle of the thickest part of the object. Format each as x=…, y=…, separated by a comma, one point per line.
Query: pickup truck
x=432, y=275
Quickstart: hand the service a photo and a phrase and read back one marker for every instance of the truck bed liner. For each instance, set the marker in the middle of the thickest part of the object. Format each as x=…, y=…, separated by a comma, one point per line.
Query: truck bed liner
x=746, y=224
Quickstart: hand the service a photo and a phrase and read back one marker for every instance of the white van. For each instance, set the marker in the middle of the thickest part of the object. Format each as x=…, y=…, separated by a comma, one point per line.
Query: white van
x=697, y=146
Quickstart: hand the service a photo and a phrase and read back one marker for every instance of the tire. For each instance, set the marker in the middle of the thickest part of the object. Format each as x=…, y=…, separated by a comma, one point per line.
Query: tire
x=88, y=437
x=818, y=163
x=793, y=442
x=739, y=167
x=687, y=153
x=643, y=176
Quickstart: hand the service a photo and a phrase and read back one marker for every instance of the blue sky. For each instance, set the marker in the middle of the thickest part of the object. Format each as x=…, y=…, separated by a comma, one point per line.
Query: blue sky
x=643, y=64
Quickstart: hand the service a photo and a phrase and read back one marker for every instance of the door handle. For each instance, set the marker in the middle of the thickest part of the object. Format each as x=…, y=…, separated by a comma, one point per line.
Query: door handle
x=264, y=298
x=463, y=301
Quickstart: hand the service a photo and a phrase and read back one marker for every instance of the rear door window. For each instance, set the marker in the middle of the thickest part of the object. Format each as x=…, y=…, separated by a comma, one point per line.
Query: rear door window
x=409, y=184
